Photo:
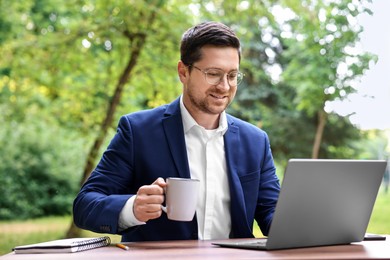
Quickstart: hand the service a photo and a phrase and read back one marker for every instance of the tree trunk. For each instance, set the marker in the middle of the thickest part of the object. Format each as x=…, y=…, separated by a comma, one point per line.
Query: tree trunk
x=137, y=42
x=319, y=132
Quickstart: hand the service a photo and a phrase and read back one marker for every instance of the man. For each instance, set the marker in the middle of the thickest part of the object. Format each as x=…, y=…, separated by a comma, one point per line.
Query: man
x=192, y=137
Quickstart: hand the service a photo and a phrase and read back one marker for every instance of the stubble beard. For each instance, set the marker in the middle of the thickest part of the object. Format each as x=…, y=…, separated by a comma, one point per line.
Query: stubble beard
x=204, y=106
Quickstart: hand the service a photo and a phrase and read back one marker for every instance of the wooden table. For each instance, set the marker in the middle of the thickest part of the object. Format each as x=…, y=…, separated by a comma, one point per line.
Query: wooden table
x=196, y=249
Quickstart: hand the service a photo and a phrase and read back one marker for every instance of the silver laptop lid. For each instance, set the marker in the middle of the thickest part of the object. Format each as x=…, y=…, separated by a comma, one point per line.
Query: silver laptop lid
x=325, y=202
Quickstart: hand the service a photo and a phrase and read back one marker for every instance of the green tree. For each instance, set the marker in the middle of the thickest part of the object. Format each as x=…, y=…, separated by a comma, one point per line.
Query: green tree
x=84, y=53
x=297, y=56
x=38, y=171
x=322, y=64
x=145, y=15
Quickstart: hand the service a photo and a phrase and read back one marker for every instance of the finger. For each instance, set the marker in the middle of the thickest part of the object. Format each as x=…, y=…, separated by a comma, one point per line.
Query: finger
x=144, y=217
x=147, y=208
x=160, y=182
x=153, y=189
x=145, y=199
x=145, y=212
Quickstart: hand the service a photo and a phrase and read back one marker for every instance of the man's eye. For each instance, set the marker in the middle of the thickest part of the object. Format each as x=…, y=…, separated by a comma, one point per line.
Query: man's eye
x=233, y=75
x=214, y=73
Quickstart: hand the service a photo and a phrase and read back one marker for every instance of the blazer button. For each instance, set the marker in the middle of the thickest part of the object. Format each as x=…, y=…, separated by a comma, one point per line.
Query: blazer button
x=105, y=228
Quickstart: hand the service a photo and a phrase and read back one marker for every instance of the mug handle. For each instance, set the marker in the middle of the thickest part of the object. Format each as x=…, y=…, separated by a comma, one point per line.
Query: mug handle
x=164, y=208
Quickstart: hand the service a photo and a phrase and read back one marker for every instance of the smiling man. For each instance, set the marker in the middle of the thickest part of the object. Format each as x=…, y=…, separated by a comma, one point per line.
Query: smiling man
x=192, y=137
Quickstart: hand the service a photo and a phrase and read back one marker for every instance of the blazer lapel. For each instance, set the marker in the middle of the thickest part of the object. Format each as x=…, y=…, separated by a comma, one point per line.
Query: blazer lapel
x=240, y=225
x=173, y=127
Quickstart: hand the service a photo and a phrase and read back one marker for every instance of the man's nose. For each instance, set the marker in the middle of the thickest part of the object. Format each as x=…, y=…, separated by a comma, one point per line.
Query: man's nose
x=224, y=84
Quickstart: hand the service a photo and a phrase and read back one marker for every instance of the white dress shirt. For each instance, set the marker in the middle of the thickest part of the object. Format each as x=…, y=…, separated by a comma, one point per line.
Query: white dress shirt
x=207, y=162
x=206, y=157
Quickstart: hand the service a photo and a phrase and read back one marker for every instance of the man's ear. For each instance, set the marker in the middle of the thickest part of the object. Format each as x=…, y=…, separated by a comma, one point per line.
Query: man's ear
x=182, y=71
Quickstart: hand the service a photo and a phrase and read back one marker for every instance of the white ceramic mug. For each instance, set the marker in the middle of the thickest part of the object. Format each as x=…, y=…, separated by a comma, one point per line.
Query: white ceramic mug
x=181, y=197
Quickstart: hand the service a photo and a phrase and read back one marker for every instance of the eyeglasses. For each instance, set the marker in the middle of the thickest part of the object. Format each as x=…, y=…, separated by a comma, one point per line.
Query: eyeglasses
x=215, y=76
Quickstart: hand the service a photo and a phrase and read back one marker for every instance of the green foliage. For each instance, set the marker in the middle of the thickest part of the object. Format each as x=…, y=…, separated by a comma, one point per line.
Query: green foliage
x=375, y=145
x=39, y=169
x=60, y=62
x=338, y=132
x=310, y=43
x=322, y=63
x=77, y=50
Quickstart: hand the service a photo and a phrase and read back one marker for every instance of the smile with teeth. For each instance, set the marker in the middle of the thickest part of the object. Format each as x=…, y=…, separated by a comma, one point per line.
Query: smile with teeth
x=217, y=96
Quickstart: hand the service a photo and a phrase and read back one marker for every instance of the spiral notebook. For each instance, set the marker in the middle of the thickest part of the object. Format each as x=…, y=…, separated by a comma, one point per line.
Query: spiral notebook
x=69, y=245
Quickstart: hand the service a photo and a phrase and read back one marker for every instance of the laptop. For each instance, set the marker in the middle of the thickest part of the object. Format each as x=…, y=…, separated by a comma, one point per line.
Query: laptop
x=321, y=202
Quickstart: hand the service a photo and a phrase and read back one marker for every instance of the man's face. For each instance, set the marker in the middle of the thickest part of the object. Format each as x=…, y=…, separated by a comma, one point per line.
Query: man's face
x=200, y=97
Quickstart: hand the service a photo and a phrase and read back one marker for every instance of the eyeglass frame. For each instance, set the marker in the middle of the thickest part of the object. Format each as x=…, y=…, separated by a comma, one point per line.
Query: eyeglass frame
x=240, y=75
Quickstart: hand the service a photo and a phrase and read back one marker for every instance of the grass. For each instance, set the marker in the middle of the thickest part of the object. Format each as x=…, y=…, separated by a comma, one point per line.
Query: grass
x=380, y=218
x=15, y=233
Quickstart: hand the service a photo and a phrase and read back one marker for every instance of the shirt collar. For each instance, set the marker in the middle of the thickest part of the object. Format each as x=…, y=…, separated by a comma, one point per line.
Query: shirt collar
x=189, y=121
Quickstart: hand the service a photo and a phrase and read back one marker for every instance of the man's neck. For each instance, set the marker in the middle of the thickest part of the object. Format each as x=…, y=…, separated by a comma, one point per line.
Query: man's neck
x=207, y=121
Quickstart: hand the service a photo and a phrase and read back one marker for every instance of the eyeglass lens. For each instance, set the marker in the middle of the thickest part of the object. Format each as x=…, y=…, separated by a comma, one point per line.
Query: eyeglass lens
x=215, y=76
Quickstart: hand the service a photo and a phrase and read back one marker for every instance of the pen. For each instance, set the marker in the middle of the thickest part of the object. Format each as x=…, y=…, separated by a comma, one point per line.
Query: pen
x=122, y=246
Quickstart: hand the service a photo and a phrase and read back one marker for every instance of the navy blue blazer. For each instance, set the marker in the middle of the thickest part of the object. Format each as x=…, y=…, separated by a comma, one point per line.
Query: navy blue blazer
x=150, y=144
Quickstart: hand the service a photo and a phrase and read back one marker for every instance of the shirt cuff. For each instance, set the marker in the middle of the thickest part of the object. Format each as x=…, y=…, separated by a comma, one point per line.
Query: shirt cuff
x=126, y=216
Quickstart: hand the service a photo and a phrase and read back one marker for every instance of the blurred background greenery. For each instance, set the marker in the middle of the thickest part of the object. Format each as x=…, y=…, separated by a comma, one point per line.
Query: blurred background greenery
x=69, y=69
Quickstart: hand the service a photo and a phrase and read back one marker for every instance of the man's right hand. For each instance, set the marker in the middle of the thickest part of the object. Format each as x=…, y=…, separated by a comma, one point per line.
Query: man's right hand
x=147, y=203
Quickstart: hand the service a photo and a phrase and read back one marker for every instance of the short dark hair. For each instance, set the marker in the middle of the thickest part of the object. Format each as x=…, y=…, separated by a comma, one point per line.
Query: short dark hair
x=206, y=33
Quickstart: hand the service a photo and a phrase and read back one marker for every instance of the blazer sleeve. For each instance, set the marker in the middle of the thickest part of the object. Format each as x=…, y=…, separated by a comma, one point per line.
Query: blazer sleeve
x=102, y=197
